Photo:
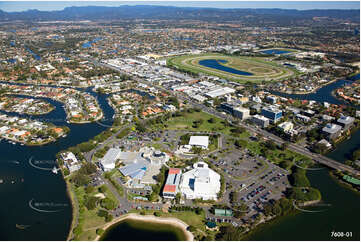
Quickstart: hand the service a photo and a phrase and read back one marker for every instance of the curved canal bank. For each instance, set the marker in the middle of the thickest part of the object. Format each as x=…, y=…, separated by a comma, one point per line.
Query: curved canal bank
x=323, y=94
x=23, y=183
x=135, y=227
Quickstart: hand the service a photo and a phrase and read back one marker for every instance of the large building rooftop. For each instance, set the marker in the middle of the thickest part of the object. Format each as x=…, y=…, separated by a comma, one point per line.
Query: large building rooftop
x=331, y=128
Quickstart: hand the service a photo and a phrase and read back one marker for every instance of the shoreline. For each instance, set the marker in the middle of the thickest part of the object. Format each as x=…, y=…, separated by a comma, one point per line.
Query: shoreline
x=150, y=218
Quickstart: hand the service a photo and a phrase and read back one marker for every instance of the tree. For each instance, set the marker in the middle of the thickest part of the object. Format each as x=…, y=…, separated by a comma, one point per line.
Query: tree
x=109, y=217
x=91, y=203
x=88, y=168
x=191, y=228
x=108, y=203
x=100, y=231
x=89, y=189
x=178, y=197
x=80, y=179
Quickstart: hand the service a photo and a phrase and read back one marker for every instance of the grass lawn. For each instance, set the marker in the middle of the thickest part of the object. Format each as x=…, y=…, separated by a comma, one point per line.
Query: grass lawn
x=91, y=219
x=88, y=235
x=185, y=122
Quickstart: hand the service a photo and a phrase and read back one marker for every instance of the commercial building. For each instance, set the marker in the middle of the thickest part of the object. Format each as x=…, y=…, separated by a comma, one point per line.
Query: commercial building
x=200, y=182
x=236, y=110
x=272, y=113
x=142, y=166
x=171, y=187
x=260, y=120
x=332, y=131
x=108, y=161
x=199, y=141
x=241, y=113
x=346, y=122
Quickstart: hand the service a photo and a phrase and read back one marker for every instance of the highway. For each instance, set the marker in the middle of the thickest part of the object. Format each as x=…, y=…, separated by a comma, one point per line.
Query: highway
x=316, y=157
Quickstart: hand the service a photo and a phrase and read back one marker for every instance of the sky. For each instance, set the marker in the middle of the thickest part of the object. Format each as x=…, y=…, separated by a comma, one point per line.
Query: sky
x=17, y=6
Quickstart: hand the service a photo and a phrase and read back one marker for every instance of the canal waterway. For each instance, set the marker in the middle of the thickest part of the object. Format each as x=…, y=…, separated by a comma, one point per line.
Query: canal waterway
x=23, y=184
x=323, y=94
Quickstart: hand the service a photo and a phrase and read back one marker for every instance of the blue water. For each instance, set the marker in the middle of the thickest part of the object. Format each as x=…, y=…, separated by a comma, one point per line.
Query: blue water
x=42, y=186
x=289, y=65
x=275, y=52
x=35, y=56
x=215, y=64
x=89, y=43
x=12, y=61
x=323, y=94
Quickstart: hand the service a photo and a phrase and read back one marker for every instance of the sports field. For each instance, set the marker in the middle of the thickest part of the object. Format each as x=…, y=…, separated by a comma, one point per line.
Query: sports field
x=228, y=67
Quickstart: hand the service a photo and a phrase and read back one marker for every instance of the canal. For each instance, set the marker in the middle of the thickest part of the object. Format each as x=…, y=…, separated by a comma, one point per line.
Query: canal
x=24, y=186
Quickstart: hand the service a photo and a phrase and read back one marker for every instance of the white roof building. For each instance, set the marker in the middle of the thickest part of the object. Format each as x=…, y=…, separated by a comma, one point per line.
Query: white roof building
x=286, y=126
x=199, y=141
x=108, y=161
x=201, y=182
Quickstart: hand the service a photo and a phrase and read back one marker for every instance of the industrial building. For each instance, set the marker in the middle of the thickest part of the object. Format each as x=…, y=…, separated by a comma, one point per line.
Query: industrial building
x=200, y=182
x=171, y=187
x=272, y=113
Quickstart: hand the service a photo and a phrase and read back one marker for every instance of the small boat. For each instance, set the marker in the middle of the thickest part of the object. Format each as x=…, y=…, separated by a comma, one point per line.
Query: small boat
x=54, y=170
x=20, y=226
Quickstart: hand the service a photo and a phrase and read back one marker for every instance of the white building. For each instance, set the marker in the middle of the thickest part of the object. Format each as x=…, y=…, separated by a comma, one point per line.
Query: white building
x=199, y=141
x=200, y=182
x=286, y=126
x=70, y=161
x=108, y=161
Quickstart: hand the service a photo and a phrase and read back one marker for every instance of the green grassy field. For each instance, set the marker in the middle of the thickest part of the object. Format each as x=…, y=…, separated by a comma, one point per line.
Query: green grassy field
x=186, y=122
x=261, y=69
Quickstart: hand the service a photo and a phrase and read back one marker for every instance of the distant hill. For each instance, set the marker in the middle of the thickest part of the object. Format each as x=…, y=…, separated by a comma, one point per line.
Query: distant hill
x=278, y=16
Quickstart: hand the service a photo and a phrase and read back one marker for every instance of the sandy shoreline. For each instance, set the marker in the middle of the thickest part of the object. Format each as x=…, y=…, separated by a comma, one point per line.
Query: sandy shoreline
x=150, y=218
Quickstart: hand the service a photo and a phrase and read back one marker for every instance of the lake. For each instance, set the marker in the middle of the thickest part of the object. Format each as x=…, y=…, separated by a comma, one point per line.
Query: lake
x=135, y=230
x=275, y=52
x=215, y=64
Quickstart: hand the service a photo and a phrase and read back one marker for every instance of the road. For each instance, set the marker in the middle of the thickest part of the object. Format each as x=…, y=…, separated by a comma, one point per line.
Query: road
x=316, y=157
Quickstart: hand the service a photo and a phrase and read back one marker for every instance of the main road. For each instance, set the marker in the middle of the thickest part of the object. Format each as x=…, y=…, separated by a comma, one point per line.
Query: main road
x=316, y=157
